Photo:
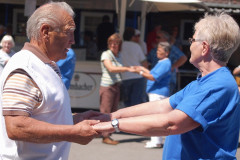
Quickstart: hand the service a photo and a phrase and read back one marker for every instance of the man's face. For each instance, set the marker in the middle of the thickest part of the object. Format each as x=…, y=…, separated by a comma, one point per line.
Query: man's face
x=60, y=41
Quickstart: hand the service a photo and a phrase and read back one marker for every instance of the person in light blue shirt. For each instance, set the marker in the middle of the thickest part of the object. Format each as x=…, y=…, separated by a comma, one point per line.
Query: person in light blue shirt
x=176, y=56
x=202, y=120
x=67, y=67
x=158, y=83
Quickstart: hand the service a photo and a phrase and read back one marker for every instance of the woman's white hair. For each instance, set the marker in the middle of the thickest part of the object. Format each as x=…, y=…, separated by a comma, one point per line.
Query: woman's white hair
x=46, y=14
x=165, y=45
x=7, y=38
x=221, y=32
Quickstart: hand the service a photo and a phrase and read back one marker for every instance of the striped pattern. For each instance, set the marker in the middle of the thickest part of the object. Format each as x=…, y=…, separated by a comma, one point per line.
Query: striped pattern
x=55, y=68
x=20, y=94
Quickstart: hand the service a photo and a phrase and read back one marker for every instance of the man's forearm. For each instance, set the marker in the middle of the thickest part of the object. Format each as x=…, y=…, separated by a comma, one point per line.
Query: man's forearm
x=23, y=128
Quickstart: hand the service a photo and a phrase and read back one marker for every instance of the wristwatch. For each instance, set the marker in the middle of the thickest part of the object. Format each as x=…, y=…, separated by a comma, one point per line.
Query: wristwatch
x=115, y=124
x=141, y=72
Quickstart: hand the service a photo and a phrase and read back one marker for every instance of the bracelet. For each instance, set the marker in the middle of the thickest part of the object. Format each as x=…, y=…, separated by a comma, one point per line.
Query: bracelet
x=141, y=72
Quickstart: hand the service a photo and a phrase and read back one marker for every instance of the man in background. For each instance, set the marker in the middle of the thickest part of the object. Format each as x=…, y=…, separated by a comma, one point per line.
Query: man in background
x=104, y=30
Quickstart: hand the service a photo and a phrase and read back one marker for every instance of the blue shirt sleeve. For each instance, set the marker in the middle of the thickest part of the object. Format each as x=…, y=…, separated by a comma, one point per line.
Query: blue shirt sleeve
x=161, y=70
x=192, y=103
x=208, y=99
x=67, y=67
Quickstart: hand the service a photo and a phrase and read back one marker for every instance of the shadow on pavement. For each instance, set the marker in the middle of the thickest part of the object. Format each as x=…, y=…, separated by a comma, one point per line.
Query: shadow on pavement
x=133, y=140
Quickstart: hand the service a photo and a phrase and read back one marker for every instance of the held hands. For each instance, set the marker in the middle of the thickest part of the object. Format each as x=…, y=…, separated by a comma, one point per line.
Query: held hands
x=104, y=128
x=84, y=131
x=91, y=127
x=136, y=69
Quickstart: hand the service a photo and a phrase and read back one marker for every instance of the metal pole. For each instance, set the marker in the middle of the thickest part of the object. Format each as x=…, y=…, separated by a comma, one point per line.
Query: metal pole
x=143, y=19
x=122, y=16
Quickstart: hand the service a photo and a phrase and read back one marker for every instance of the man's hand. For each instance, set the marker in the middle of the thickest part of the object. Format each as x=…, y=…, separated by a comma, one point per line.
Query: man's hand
x=85, y=132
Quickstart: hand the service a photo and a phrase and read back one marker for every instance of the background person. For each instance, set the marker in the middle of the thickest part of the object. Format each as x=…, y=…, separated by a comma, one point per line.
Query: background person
x=196, y=118
x=175, y=39
x=158, y=83
x=67, y=67
x=176, y=56
x=104, y=30
x=132, y=55
x=137, y=39
x=236, y=73
x=6, y=52
x=36, y=119
x=110, y=81
x=91, y=47
x=152, y=37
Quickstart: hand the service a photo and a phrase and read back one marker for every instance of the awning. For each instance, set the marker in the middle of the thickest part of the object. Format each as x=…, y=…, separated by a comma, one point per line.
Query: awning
x=177, y=5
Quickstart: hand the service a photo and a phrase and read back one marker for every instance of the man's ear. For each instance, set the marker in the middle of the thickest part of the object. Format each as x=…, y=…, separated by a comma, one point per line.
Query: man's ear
x=45, y=29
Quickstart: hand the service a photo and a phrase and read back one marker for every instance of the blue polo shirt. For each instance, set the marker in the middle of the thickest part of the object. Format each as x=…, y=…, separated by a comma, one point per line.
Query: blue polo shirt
x=213, y=102
x=162, y=74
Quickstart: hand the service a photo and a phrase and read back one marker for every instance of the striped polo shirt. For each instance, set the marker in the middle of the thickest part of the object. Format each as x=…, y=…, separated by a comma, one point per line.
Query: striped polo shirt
x=109, y=78
x=20, y=93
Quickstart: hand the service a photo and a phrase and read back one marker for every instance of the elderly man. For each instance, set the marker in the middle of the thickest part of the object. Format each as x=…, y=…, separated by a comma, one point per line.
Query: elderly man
x=202, y=120
x=36, y=121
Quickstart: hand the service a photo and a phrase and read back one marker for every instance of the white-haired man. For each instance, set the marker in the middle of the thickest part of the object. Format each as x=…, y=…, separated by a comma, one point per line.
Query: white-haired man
x=36, y=118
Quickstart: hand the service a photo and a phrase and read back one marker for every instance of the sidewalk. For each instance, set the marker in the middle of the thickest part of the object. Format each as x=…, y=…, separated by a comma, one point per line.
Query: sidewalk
x=131, y=147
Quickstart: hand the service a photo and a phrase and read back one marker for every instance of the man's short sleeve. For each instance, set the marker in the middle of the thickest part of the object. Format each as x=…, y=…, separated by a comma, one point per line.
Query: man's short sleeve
x=21, y=94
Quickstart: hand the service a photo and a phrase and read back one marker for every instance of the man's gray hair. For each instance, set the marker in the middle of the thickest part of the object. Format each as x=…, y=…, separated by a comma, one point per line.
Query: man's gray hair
x=46, y=14
x=221, y=32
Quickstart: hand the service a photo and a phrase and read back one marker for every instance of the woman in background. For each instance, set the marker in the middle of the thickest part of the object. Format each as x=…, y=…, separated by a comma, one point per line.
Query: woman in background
x=158, y=83
x=110, y=81
x=6, y=52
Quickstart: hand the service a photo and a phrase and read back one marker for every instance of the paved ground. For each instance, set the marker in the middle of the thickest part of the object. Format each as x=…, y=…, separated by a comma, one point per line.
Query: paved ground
x=131, y=147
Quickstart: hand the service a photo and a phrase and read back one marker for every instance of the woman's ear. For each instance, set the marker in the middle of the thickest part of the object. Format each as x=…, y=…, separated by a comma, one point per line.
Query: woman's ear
x=206, y=48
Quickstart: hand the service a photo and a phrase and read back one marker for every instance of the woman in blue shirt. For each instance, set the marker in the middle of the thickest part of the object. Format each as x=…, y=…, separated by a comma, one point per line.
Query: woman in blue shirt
x=158, y=83
x=202, y=120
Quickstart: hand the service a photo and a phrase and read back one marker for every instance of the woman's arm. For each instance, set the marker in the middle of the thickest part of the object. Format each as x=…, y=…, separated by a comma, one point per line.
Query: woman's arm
x=174, y=122
x=144, y=72
x=116, y=69
x=154, y=107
